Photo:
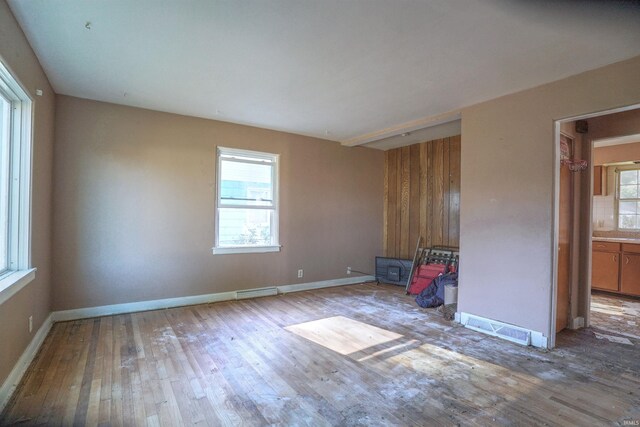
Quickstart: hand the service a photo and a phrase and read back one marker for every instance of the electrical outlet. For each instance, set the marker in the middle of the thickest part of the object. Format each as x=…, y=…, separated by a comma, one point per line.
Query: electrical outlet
x=348, y=270
x=30, y=323
x=300, y=273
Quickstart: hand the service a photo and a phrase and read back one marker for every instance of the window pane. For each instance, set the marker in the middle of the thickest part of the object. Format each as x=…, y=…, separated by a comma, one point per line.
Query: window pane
x=5, y=141
x=628, y=221
x=628, y=208
x=628, y=177
x=628, y=191
x=245, y=184
x=245, y=227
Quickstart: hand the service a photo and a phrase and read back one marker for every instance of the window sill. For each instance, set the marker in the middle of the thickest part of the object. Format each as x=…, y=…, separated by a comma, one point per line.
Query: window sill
x=12, y=283
x=246, y=250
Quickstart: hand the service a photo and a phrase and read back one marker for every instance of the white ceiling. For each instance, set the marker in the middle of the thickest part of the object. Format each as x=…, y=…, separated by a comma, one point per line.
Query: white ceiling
x=347, y=70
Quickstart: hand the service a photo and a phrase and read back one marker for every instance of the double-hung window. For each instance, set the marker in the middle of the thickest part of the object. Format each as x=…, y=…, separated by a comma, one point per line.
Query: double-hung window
x=246, y=202
x=629, y=199
x=15, y=185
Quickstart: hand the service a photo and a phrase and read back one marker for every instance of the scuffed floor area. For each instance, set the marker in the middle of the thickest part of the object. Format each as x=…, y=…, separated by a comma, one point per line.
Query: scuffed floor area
x=354, y=355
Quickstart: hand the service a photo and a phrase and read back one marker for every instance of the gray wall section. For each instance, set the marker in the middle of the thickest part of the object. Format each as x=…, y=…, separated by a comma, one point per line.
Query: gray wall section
x=32, y=300
x=507, y=188
x=134, y=207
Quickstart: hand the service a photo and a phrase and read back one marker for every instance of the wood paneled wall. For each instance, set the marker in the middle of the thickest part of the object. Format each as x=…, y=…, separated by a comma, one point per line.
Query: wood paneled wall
x=422, y=196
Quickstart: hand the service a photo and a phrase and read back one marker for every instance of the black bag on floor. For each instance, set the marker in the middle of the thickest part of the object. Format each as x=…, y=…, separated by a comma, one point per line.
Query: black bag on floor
x=433, y=295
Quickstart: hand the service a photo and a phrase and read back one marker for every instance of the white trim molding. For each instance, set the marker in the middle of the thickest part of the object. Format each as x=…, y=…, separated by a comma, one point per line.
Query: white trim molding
x=245, y=250
x=298, y=287
x=12, y=381
x=12, y=283
x=133, y=307
x=576, y=323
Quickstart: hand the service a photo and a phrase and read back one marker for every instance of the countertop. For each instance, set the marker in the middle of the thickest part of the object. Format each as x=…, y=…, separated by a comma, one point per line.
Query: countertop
x=616, y=239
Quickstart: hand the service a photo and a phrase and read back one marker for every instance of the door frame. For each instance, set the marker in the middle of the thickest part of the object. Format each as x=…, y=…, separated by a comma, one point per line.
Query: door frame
x=586, y=287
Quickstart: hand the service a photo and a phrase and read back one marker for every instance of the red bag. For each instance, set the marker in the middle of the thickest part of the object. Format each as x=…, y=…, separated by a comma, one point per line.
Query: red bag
x=423, y=277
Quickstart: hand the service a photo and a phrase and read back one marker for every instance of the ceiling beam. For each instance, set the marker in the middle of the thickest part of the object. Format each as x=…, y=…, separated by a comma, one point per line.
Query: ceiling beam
x=403, y=128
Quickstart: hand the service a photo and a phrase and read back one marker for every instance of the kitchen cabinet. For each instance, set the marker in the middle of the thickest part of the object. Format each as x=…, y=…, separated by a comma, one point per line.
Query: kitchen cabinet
x=615, y=267
x=605, y=269
x=597, y=181
x=630, y=281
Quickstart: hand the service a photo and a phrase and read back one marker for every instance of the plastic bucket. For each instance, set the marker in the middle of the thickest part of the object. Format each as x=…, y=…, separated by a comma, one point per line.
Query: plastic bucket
x=450, y=294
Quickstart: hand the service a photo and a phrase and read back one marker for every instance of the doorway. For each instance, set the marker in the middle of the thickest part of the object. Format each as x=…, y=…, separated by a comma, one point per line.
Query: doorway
x=584, y=184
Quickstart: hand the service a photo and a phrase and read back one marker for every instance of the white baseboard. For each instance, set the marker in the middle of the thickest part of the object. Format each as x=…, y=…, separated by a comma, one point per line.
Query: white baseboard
x=285, y=289
x=577, y=323
x=132, y=307
x=12, y=381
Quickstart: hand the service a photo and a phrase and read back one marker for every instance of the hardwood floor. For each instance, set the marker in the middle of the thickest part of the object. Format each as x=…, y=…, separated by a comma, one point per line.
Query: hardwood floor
x=615, y=317
x=355, y=355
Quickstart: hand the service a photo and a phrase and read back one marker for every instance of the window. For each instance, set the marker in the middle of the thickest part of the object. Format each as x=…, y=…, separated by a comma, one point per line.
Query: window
x=629, y=199
x=246, y=202
x=15, y=185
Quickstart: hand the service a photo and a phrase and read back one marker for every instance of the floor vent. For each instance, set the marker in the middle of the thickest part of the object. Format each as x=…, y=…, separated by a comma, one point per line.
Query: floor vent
x=257, y=293
x=497, y=329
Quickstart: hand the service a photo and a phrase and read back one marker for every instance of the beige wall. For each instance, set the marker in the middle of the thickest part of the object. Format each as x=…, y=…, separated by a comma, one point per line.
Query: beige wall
x=34, y=298
x=134, y=207
x=507, y=199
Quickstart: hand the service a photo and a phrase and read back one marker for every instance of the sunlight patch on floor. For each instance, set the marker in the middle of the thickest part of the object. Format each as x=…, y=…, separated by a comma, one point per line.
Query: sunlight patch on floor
x=612, y=338
x=342, y=334
x=386, y=351
x=607, y=310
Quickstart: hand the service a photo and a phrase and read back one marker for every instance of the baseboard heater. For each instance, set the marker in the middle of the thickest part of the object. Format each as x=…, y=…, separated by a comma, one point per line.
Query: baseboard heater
x=497, y=329
x=257, y=293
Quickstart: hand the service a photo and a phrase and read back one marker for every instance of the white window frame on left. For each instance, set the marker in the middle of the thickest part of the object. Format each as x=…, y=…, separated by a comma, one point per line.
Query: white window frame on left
x=20, y=139
x=275, y=232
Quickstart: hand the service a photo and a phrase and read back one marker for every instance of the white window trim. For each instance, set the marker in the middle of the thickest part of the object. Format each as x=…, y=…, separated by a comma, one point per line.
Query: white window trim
x=618, y=199
x=12, y=283
x=20, y=272
x=245, y=249
x=223, y=250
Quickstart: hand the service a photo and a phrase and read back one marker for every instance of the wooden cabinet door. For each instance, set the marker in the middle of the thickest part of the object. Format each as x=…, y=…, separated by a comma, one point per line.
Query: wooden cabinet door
x=630, y=283
x=597, y=180
x=605, y=270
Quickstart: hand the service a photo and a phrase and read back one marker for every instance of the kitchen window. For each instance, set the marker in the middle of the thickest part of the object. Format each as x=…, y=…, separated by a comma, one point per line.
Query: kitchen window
x=246, y=202
x=15, y=185
x=629, y=199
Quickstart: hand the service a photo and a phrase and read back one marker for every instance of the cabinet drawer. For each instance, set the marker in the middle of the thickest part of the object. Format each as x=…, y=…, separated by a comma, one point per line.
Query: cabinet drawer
x=606, y=246
x=631, y=247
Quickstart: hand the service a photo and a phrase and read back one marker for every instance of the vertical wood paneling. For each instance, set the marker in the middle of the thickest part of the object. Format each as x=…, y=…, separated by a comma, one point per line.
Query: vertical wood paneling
x=404, y=208
x=422, y=196
x=445, y=191
x=414, y=197
x=454, y=191
x=398, y=200
x=438, y=196
x=429, y=184
x=423, y=191
x=385, y=203
x=392, y=202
